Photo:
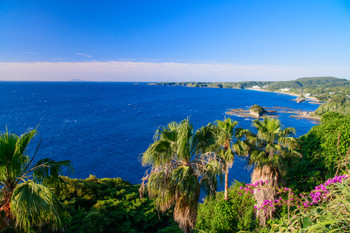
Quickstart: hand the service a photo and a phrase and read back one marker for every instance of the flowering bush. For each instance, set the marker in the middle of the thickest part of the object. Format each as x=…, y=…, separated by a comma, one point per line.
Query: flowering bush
x=249, y=188
x=320, y=192
x=285, y=196
x=330, y=214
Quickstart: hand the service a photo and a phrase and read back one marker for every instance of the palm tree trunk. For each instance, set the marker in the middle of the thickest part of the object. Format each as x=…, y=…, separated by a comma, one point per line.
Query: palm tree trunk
x=266, y=192
x=227, y=143
x=226, y=184
x=6, y=208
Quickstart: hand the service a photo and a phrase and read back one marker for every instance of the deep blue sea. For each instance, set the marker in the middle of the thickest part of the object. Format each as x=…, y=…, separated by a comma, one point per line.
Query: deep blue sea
x=104, y=127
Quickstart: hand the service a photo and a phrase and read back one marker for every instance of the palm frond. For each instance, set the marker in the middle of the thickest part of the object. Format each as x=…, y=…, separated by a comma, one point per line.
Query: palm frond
x=50, y=170
x=33, y=204
x=158, y=153
x=23, y=142
x=7, y=151
x=205, y=139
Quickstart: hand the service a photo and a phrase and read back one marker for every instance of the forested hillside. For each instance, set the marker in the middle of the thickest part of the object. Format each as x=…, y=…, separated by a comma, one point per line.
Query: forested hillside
x=334, y=91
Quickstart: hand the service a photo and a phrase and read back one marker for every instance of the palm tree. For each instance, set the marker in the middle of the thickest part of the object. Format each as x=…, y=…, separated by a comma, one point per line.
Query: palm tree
x=271, y=149
x=181, y=163
x=225, y=133
x=25, y=201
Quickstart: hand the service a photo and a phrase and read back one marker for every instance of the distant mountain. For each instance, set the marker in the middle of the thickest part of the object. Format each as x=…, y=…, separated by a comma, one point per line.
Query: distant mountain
x=321, y=80
x=314, y=82
x=328, y=81
x=77, y=80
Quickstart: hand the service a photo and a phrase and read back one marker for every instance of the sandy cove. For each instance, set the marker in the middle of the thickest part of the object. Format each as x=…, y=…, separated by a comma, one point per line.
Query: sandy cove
x=314, y=99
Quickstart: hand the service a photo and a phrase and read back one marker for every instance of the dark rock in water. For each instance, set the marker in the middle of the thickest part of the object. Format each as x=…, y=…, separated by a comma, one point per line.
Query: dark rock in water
x=300, y=99
x=254, y=111
x=257, y=111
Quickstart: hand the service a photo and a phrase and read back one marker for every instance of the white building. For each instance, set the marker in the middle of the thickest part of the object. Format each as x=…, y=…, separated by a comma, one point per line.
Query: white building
x=256, y=87
x=285, y=89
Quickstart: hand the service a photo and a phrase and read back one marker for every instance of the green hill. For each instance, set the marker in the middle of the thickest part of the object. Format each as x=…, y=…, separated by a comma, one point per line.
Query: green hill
x=314, y=82
x=322, y=88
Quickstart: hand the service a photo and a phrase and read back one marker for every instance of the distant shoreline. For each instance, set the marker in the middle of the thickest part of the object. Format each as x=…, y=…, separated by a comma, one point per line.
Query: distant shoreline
x=314, y=99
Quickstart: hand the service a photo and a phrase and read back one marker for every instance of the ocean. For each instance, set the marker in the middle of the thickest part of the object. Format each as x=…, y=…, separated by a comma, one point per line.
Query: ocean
x=103, y=128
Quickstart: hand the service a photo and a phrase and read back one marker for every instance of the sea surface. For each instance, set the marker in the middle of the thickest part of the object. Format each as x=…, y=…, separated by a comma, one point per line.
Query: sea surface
x=103, y=128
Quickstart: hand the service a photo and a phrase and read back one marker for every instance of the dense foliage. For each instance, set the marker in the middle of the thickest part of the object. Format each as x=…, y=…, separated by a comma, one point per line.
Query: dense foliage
x=108, y=205
x=309, y=83
x=236, y=214
x=339, y=105
x=323, y=148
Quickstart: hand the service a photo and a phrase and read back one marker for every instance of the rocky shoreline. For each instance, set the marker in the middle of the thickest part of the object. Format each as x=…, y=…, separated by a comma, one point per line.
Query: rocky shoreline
x=273, y=112
x=240, y=112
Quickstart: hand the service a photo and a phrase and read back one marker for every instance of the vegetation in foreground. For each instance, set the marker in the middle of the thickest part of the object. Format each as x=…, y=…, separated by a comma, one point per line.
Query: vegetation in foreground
x=183, y=162
x=267, y=206
x=270, y=151
x=108, y=205
x=235, y=214
x=324, y=148
x=26, y=203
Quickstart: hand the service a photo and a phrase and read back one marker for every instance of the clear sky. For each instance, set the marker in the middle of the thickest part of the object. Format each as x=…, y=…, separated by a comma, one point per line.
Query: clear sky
x=190, y=40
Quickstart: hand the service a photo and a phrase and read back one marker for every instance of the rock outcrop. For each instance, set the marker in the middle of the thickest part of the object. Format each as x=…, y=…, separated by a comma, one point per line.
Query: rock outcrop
x=300, y=99
x=257, y=111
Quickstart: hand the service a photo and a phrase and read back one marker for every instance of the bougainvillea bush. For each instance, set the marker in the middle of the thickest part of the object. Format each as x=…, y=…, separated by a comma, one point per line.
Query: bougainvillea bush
x=325, y=208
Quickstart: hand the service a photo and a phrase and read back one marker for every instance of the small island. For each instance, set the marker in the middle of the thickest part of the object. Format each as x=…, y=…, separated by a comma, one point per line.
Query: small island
x=259, y=112
x=255, y=111
x=300, y=99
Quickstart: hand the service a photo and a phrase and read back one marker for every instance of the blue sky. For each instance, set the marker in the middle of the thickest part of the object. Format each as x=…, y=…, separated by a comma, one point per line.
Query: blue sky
x=195, y=40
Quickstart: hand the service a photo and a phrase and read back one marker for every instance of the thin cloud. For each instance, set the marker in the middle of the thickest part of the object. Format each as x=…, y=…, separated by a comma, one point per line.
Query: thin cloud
x=157, y=72
x=30, y=52
x=82, y=54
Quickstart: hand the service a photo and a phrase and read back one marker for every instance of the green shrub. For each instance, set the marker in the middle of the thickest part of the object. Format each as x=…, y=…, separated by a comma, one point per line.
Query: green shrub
x=320, y=152
x=218, y=215
x=108, y=205
x=338, y=105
